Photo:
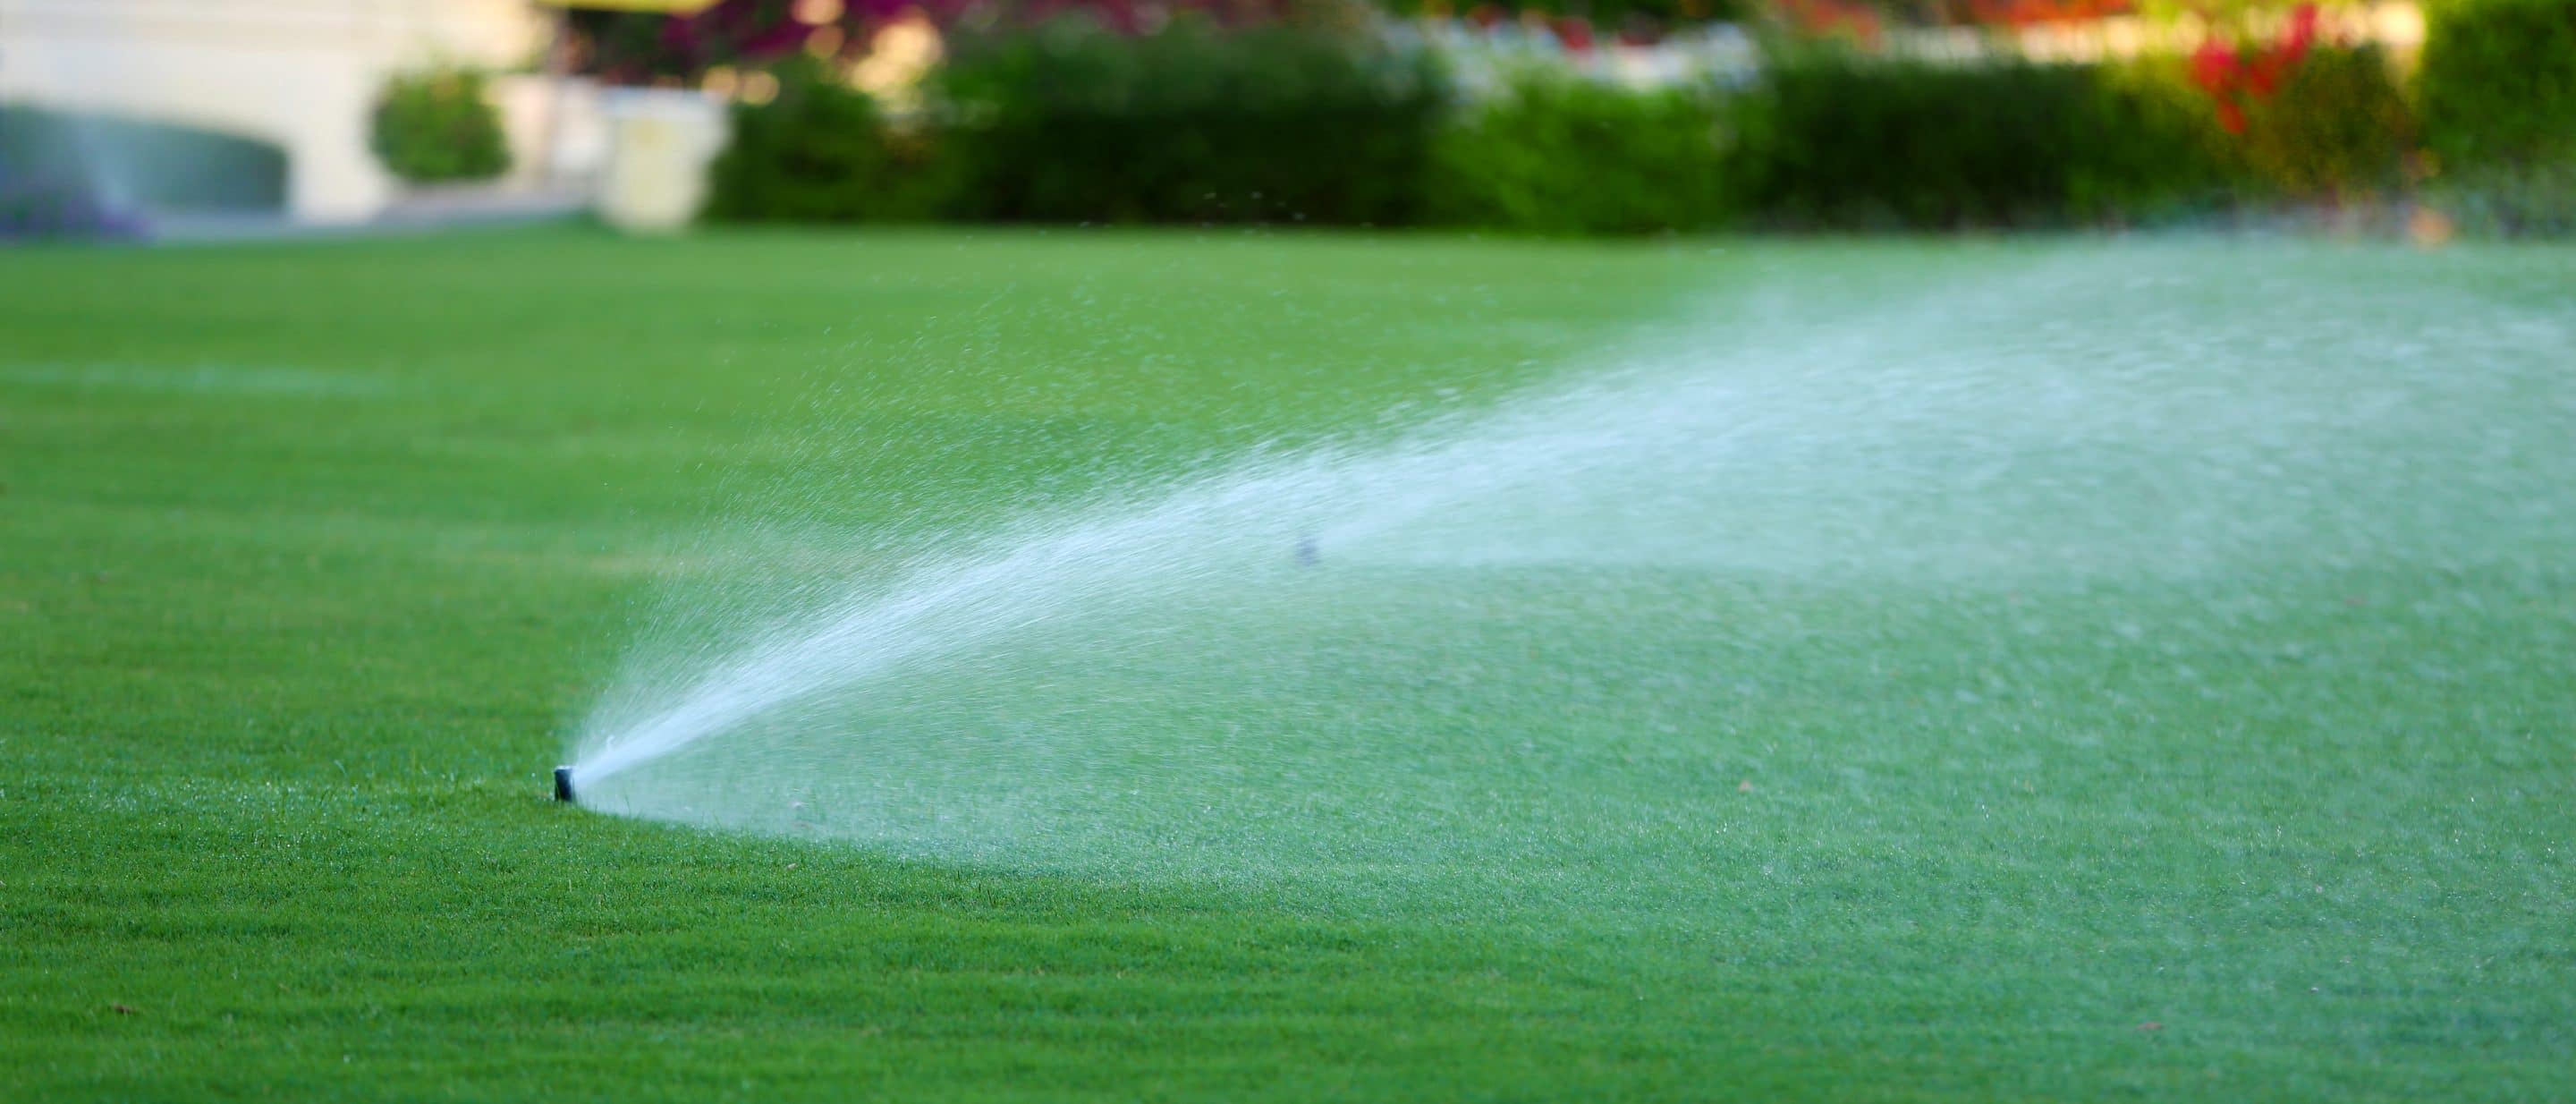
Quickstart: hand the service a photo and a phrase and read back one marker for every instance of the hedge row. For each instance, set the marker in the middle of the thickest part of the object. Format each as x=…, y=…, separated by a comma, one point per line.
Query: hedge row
x=2497, y=88
x=1068, y=123
x=1286, y=125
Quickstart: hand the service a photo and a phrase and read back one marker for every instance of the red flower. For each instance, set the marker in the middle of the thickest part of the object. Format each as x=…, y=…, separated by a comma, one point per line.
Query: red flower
x=2213, y=67
x=2302, y=32
x=1575, y=32
x=2233, y=76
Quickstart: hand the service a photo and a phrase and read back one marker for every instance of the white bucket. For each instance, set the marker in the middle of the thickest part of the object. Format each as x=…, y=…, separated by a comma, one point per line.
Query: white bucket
x=660, y=142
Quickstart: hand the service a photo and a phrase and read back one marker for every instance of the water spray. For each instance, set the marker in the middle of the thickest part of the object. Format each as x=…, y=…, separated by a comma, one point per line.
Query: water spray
x=1038, y=690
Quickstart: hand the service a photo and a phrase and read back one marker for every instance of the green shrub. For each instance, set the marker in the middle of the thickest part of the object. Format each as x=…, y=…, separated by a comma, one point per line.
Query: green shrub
x=822, y=152
x=2183, y=162
x=2497, y=82
x=2338, y=128
x=1831, y=139
x=1555, y=154
x=439, y=125
x=1066, y=122
x=2497, y=92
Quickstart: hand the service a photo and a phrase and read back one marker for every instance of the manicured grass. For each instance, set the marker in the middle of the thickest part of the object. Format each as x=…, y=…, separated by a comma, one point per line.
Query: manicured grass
x=311, y=555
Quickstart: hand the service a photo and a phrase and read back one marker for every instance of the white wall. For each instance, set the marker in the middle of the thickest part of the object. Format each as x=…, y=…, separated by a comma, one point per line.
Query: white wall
x=299, y=73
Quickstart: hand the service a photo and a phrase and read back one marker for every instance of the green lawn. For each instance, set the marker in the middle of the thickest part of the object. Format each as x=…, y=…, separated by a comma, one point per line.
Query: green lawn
x=2086, y=670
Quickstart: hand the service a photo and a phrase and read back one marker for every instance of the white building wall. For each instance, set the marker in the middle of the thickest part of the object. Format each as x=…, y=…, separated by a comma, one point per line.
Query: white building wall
x=300, y=73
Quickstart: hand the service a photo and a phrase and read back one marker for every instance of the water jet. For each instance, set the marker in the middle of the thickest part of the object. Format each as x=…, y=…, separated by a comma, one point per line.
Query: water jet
x=1546, y=612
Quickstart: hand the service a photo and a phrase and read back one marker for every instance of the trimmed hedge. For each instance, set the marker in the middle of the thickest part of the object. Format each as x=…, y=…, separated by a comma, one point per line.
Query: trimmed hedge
x=2338, y=129
x=2498, y=82
x=1067, y=122
x=1835, y=140
x=2497, y=89
x=1555, y=154
x=821, y=151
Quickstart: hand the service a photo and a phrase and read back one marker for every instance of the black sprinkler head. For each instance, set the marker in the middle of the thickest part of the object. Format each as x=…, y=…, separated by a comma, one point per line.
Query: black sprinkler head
x=563, y=783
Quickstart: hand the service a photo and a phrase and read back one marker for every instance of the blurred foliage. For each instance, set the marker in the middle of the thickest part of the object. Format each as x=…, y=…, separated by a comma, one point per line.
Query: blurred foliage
x=2497, y=90
x=2338, y=128
x=2227, y=16
x=644, y=47
x=639, y=47
x=1556, y=154
x=1317, y=119
x=1869, y=18
x=823, y=152
x=439, y=125
x=2184, y=162
x=1607, y=13
x=1069, y=121
x=1835, y=139
x=2498, y=82
x=2330, y=125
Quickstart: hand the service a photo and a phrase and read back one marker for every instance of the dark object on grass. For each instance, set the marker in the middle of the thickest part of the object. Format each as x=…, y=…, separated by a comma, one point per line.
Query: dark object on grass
x=563, y=783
